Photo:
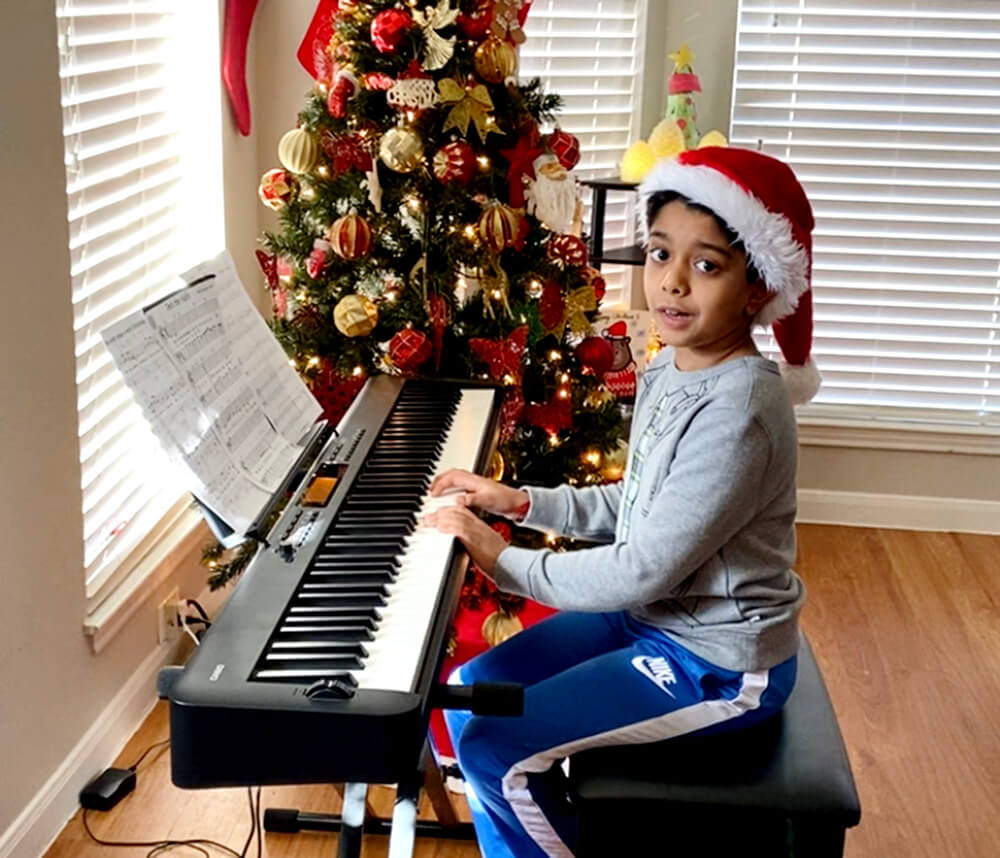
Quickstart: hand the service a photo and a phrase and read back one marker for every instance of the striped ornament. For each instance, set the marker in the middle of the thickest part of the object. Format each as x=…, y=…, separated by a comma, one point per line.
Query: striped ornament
x=498, y=226
x=350, y=236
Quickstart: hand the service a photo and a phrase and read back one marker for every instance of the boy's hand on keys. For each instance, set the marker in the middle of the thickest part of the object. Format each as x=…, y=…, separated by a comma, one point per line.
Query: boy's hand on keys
x=481, y=492
x=482, y=542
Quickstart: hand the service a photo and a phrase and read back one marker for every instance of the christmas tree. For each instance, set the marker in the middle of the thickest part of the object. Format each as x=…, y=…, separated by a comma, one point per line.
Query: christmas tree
x=430, y=225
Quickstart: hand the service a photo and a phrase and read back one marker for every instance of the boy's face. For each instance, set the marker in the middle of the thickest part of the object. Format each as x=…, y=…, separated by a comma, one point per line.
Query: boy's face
x=696, y=287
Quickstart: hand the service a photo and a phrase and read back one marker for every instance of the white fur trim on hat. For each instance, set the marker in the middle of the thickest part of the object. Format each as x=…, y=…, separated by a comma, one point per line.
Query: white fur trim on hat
x=783, y=263
x=801, y=382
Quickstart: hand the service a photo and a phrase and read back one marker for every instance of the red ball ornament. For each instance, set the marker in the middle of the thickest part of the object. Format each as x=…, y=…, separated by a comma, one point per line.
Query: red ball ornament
x=276, y=188
x=565, y=147
x=568, y=250
x=596, y=354
x=409, y=348
x=350, y=236
x=476, y=24
x=389, y=30
x=595, y=280
x=455, y=162
x=499, y=226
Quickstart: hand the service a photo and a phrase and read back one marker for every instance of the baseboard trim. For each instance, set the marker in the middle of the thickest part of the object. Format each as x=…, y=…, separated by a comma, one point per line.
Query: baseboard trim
x=899, y=512
x=33, y=831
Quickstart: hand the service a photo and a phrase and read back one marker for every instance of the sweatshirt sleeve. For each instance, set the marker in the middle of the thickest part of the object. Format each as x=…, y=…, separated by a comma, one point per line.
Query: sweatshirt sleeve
x=584, y=513
x=709, y=494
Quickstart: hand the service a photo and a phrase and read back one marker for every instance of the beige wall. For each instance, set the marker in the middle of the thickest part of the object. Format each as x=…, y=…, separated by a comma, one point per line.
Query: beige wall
x=53, y=687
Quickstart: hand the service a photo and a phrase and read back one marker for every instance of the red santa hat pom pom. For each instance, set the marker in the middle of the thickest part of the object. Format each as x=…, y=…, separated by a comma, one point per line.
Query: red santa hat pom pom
x=760, y=198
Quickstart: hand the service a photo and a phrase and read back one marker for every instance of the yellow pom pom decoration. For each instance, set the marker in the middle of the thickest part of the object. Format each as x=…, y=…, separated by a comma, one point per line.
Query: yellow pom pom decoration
x=500, y=626
x=713, y=138
x=637, y=161
x=667, y=139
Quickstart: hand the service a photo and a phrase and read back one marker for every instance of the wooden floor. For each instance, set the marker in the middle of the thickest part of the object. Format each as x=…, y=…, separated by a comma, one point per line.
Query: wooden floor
x=906, y=628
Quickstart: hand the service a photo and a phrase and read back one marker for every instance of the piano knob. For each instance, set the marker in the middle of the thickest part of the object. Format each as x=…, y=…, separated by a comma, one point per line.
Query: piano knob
x=286, y=551
x=330, y=689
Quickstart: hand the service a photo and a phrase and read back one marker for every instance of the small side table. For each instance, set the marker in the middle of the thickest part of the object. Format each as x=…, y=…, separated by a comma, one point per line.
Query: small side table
x=632, y=255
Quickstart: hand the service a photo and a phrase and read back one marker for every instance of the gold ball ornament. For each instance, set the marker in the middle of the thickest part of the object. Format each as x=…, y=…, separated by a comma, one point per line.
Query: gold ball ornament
x=497, y=466
x=498, y=226
x=401, y=149
x=297, y=151
x=350, y=236
x=499, y=626
x=495, y=60
x=355, y=316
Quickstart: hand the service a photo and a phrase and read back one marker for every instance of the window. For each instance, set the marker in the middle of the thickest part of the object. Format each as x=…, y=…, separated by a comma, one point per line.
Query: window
x=888, y=112
x=137, y=117
x=590, y=54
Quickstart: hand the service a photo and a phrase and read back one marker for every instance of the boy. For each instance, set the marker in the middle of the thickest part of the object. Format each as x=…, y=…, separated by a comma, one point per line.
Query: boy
x=687, y=619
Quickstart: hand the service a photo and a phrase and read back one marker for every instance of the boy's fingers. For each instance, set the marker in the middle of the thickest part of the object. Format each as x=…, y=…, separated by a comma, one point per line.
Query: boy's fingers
x=453, y=478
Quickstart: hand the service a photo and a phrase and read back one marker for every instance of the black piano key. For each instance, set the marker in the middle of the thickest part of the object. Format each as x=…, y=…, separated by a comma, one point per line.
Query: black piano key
x=359, y=634
x=346, y=600
x=315, y=645
x=335, y=588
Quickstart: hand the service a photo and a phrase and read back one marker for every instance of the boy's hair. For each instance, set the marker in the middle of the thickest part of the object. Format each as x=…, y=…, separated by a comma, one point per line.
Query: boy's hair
x=659, y=199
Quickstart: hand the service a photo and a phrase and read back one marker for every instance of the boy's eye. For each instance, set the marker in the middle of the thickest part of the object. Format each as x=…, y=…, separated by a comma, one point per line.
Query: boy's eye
x=706, y=266
x=658, y=254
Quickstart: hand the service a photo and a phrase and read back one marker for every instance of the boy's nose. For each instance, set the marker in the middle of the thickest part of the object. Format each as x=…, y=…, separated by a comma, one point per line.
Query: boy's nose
x=673, y=282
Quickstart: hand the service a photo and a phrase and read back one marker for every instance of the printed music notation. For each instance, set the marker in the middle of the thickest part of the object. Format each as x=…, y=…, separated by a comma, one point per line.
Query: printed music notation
x=217, y=390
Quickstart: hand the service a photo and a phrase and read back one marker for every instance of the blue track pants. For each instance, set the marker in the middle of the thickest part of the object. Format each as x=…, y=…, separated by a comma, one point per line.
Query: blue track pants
x=590, y=680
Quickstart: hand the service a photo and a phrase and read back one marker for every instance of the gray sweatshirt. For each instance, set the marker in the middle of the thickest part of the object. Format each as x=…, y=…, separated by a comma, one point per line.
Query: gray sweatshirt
x=701, y=530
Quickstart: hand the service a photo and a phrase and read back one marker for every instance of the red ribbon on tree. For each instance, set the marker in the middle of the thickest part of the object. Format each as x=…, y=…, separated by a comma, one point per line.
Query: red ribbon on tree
x=439, y=316
x=502, y=356
x=279, y=296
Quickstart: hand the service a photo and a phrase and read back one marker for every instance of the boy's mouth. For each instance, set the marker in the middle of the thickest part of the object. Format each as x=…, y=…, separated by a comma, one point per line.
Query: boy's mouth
x=674, y=317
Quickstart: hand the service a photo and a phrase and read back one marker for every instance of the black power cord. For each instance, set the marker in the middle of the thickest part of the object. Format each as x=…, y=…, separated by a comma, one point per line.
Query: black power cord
x=158, y=847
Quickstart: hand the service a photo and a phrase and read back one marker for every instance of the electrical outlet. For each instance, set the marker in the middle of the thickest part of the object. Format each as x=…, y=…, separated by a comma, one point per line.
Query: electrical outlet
x=168, y=623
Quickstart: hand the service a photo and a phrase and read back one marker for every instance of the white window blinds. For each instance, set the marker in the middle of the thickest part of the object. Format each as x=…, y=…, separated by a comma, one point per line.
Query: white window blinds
x=590, y=54
x=127, y=94
x=888, y=112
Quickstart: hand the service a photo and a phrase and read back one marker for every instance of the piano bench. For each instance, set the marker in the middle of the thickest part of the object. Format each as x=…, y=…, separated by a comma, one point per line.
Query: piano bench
x=781, y=788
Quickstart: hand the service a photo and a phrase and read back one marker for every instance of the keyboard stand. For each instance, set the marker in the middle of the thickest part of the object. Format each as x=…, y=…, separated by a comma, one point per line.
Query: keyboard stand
x=357, y=817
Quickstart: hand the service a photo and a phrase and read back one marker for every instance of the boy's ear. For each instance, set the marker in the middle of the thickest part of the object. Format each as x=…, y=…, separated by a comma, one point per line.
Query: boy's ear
x=759, y=297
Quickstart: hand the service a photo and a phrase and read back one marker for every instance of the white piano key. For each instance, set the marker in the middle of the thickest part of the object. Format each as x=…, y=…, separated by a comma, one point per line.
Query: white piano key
x=397, y=651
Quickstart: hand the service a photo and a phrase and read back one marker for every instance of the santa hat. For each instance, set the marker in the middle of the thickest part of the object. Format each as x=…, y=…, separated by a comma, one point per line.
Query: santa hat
x=761, y=200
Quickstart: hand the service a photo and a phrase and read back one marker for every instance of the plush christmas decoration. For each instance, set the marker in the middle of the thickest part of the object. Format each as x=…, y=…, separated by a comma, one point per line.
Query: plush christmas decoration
x=621, y=378
x=680, y=104
x=760, y=198
x=593, y=278
x=297, y=151
x=455, y=162
x=471, y=104
x=409, y=348
x=276, y=188
x=351, y=236
x=389, y=29
x=552, y=195
x=319, y=258
x=345, y=86
x=498, y=226
x=570, y=251
x=345, y=152
x=401, y=149
x=495, y=60
x=565, y=147
x=235, y=35
x=508, y=19
x=595, y=354
x=437, y=49
x=355, y=316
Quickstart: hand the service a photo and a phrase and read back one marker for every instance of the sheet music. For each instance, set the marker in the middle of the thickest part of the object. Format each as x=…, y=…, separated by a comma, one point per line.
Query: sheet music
x=211, y=401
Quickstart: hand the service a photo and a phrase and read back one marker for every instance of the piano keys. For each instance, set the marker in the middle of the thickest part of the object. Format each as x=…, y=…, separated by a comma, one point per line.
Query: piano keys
x=319, y=668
